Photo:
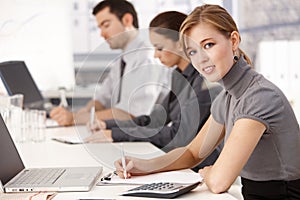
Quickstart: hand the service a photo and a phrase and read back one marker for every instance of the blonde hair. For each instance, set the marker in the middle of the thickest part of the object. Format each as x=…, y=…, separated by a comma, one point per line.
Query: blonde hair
x=214, y=15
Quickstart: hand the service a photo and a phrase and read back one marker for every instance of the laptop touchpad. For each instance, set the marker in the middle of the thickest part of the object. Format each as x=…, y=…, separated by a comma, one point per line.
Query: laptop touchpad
x=78, y=176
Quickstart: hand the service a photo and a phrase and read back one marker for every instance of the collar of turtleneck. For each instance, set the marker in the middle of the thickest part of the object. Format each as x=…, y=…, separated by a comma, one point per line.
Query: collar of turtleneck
x=237, y=80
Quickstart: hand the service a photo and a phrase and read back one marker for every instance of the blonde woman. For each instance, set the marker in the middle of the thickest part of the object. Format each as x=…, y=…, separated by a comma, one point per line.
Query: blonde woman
x=262, y=139
x=183, y=112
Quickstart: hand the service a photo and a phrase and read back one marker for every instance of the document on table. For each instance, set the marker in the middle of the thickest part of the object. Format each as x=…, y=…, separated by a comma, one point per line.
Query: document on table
x=181, y=176
x=82, y=133
x=52, y=124
x=69, y=139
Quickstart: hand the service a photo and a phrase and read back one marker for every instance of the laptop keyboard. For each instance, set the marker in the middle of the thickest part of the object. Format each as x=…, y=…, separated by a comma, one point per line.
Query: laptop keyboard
x=39, y=176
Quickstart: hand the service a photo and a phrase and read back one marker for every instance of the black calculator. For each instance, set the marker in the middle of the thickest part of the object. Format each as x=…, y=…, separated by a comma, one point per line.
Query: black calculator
x=161, y=190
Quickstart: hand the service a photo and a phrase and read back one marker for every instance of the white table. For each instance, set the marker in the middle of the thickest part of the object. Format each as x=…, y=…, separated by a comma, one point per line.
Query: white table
x=55, y=154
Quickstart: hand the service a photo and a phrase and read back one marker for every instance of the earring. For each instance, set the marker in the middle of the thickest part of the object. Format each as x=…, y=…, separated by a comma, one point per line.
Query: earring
x=235, y=58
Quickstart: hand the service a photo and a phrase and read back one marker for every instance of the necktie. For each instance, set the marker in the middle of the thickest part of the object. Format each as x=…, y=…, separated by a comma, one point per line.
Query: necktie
x=122, y=69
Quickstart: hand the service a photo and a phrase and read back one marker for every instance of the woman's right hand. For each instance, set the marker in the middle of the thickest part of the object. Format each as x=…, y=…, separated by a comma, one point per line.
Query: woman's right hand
x=134, y=166
x=97, y=125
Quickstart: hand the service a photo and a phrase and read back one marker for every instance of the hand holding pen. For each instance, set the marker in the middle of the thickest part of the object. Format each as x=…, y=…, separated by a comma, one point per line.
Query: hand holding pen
x=132, y=166
x=94, y=124
x=122, y=164
x=92, y=115
x=97, y=126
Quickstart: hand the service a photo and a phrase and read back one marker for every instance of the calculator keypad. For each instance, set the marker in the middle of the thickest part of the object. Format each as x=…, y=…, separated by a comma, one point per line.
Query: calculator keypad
x=161, y=190
x=158, y=186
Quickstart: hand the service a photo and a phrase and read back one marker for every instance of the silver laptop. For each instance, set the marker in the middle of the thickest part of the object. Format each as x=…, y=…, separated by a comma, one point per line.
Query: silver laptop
x=15, y=178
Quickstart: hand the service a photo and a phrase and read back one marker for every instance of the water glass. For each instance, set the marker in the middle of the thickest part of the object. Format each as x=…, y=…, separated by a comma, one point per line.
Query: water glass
x=34, y=125
x=4, y=107
x=40, y=136
x=11, y=111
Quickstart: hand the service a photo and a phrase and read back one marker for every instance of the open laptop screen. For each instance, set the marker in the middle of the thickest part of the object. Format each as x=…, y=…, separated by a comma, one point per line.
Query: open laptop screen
x=11, y=163
x=17, y=79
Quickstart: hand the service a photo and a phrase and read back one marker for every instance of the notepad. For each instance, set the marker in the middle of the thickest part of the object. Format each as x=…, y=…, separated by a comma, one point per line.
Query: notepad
x=69, y=139
x=180, y=176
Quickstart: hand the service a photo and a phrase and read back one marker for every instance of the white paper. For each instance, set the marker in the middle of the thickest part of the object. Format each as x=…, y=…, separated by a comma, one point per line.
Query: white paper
x=51, y=124
x=182, y=176
x=69, y=139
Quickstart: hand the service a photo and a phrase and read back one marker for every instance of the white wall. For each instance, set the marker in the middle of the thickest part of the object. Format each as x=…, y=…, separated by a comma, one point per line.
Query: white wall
x=87, y=36
x=46, y=33
x=39, y=32
x=279, y=62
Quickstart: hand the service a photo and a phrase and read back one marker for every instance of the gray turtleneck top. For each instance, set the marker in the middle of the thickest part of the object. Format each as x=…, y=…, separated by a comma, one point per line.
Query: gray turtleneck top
x=249, y=95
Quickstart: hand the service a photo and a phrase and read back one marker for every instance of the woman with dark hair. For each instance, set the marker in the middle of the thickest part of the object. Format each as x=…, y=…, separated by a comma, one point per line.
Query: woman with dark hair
x=262, y=139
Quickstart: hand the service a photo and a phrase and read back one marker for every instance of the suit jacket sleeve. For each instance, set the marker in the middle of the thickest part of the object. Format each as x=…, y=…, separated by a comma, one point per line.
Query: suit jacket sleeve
x=169, y=136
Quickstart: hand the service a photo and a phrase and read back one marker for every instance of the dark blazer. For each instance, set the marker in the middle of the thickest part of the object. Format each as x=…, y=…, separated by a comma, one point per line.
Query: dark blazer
x=178, y=119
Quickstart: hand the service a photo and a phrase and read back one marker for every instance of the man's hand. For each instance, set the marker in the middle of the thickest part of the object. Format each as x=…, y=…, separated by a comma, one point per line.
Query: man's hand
x=62, y=116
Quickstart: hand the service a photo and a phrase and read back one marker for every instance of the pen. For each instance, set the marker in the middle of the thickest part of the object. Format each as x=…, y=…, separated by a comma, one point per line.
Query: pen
x=63, y=98
x=123, y=161
x=92, y=115
x=66, y=141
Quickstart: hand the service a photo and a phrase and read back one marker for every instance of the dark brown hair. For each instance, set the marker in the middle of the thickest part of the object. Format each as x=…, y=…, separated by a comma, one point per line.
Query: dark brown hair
x=168, y=24
x=119, y=8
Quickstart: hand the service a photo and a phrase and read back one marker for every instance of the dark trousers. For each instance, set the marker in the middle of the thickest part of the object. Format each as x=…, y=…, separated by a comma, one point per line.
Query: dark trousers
x=270, y=190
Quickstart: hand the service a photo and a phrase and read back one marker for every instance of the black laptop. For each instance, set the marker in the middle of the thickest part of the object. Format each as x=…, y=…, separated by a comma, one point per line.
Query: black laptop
x=18, y=80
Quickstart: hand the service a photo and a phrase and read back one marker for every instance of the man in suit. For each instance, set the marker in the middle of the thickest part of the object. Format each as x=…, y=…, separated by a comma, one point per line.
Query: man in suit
x=134, y=82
